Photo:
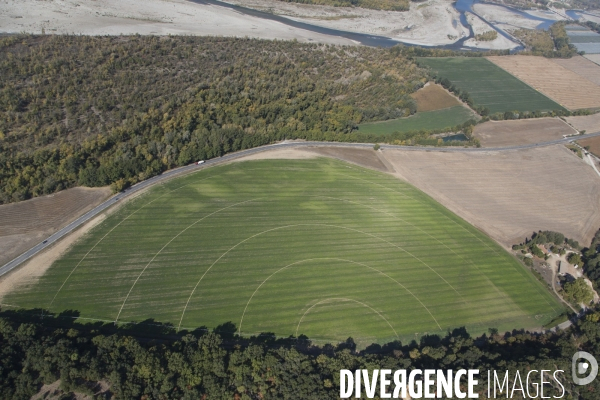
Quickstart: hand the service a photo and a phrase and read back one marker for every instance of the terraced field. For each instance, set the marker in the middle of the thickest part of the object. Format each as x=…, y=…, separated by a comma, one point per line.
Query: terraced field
x=316, y=246
x=489, y=85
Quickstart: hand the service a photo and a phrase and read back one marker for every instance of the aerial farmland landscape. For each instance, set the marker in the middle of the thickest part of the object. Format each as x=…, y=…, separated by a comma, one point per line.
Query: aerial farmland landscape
x=258, y=199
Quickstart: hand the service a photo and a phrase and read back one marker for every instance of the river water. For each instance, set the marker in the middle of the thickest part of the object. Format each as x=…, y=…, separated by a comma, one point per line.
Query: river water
x=461, y=6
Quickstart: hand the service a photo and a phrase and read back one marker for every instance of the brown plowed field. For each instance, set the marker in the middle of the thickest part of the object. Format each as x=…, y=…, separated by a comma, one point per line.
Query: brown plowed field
x=581, y=66
x=26, y=223
x=555, y=81
x=434, y=97
x=594, y=144
x=524, y=131
x=588, y=123
x=509, y=195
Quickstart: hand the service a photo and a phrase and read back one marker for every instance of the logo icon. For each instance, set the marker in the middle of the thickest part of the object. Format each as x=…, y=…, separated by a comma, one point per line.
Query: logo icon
x=580, y=368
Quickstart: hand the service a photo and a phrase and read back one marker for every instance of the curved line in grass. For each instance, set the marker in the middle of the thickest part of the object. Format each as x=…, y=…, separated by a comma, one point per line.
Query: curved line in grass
x=538, y=287
x=168, y=243
x=296, y=225
x=116, y=226
x=344, y=299
x=418, y=228
x=98, y=242
x=338, y=259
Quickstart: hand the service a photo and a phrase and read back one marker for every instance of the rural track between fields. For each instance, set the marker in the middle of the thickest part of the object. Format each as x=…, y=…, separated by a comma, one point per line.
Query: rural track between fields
x=6, y=268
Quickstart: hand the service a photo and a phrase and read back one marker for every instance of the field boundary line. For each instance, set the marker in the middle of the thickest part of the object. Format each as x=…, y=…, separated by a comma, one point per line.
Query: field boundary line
x=344, y=299
x=338, y=259
x=168, y=243
x=325, y=225
x=533, y=88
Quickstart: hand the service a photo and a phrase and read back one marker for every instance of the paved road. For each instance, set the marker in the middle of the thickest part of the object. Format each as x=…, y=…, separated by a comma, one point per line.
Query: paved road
x=178, y=171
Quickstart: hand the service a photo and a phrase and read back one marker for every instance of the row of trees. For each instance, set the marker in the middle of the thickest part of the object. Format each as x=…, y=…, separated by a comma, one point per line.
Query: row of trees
x=89, y=359
x=509, y=115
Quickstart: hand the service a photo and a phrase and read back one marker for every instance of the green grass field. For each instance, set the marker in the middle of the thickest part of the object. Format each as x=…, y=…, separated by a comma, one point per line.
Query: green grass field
x=427, y=120
x=489, y=85
x=316, y=247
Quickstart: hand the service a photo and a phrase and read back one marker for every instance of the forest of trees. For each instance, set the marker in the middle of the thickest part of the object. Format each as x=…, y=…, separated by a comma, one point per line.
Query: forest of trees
x=92, y=360
x=94, y=111
x=551, y=43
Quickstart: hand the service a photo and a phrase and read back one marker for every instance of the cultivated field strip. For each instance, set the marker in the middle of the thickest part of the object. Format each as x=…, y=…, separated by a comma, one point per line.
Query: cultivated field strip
x=316, y=247
x=489, y=85
x=520, y=132
x=425, y=120
x=564, y=86
x=581, y=66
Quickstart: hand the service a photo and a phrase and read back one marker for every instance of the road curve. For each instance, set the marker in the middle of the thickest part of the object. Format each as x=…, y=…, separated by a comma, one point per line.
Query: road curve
x=6, y=268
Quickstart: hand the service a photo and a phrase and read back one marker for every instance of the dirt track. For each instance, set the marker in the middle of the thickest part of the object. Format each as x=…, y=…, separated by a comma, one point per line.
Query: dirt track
x=509, y=195
x=525, y=131
x=555, y=81
x=26, y=223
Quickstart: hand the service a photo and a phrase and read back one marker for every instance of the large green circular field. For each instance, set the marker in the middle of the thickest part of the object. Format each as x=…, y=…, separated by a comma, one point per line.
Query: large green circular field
x=316, y=247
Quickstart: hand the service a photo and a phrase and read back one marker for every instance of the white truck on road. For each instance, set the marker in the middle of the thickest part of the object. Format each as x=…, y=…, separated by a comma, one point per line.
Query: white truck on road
x=200, y=162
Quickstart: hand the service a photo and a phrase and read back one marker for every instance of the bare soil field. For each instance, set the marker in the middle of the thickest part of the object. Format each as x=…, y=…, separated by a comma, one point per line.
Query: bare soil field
x=434, y=97
x=517, y=132
x=509, y=195
x=555, y=81
x=594, y=144
x=588, y=123
x=364, y=157
x=581, y=66
x=28, y=222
